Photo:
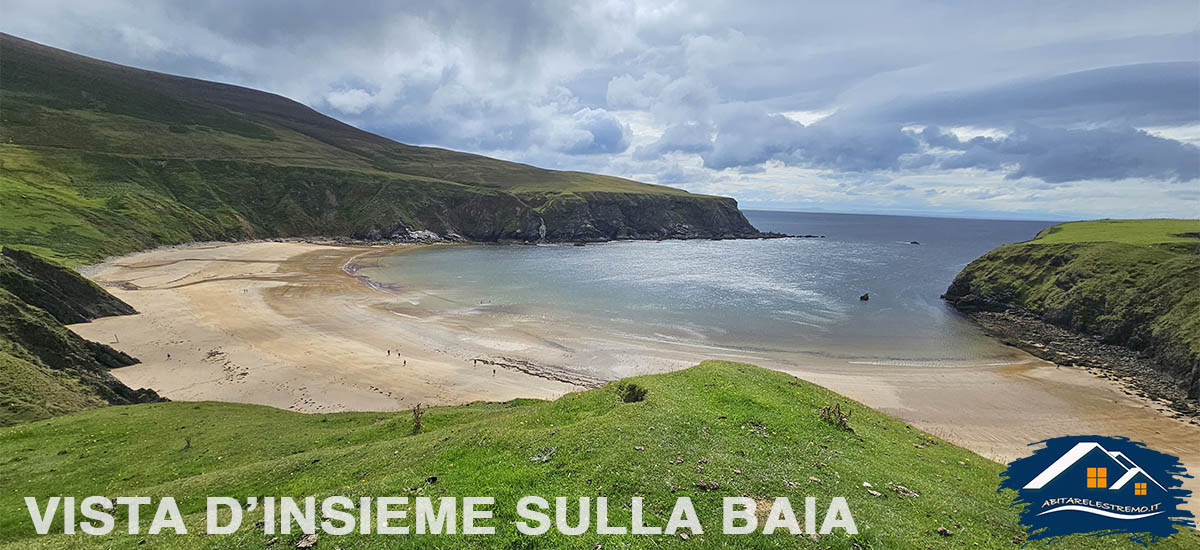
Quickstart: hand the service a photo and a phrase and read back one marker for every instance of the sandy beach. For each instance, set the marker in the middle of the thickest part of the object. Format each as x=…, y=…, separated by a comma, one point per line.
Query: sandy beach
x=288, y=325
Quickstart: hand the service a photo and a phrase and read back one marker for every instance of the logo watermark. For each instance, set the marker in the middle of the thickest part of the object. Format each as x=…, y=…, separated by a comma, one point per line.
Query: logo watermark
x=1099, y=486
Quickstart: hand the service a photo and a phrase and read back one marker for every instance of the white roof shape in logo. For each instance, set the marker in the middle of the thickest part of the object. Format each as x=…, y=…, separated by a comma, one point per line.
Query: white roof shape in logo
x=1077, y=453
x=1132, y=473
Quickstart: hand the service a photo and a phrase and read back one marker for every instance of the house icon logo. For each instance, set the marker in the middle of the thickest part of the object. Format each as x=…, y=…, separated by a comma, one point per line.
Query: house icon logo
x=1099, y=486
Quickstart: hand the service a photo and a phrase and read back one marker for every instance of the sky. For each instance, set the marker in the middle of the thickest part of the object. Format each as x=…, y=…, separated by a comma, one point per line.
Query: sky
x=1016, y=109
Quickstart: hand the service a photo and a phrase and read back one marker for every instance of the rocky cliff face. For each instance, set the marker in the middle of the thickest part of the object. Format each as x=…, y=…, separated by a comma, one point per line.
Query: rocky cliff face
x=609, y=216
x=1144, y=299
x=578, y=217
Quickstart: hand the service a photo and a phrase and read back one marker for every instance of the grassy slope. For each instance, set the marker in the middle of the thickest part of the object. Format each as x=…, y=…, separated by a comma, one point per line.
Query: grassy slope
x=45, y=369
x=31, y=391
x=1139, y=232
x=98, y=159
x=1132, y=282
x=29, y=388
x=708, y=415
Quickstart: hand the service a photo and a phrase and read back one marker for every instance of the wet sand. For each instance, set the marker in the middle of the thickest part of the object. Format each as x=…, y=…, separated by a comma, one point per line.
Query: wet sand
x=283, y=324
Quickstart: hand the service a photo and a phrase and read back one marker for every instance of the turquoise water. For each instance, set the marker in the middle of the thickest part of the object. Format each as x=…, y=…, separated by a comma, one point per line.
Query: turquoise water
x=789, y=296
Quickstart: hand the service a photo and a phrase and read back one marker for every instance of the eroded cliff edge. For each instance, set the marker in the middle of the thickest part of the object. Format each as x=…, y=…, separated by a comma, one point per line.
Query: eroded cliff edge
x=1130, y=309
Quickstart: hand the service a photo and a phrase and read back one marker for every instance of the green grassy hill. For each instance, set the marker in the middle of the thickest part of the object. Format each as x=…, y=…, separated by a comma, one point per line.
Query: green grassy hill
x=99, y=159
x=1134, y=283
x=750, y=431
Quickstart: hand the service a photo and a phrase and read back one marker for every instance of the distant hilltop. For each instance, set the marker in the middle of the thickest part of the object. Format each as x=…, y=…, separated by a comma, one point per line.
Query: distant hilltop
x=101, y=159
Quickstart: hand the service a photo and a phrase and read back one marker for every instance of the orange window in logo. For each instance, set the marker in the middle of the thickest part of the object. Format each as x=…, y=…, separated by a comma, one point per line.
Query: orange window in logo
x=1139, y=488
x=1097, y=478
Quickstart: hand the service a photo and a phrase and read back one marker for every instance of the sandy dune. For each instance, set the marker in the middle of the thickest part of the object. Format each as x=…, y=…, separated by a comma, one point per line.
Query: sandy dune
x=283, y=324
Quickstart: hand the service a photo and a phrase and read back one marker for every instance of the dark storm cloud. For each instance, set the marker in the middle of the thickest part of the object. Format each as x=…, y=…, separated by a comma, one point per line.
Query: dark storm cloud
x=746, y=138
x=1057, y=155
x=873, y=139
x=1152, y=94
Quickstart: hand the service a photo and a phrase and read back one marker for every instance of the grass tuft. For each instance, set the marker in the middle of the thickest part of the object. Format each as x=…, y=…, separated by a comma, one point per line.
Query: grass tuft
x=631, y=393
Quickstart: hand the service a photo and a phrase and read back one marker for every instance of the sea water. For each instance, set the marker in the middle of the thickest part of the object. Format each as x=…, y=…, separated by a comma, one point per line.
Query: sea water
x=795, y=296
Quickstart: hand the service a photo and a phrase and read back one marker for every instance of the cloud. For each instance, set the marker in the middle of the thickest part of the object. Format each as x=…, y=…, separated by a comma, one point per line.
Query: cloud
x=627, y=92
x=674, y=174
x=704, y=94
x=1149, y=94
x=1053, y=155
x=352, y=101
x=872, y=140
x=1057, y=155
x=746, y=137
x=690, y=137
x=591, y=132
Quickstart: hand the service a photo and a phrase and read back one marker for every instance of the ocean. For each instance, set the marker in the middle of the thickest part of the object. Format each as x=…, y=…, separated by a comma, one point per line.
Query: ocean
x=795, y=297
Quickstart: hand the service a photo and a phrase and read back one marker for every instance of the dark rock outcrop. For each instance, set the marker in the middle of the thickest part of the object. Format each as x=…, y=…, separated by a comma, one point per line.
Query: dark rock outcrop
x=569, y=217
x=1137, y=372
x=66, y=295
x=612, y=216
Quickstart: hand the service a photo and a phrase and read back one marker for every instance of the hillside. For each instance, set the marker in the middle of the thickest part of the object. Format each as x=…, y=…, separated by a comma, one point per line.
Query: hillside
x=99, y=159
x=45, y=369
x=1133, y=284
x=747, y=430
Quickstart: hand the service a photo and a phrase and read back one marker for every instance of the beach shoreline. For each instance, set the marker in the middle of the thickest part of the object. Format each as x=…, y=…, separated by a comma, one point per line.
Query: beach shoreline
x=291, y=325
x=1134, y=372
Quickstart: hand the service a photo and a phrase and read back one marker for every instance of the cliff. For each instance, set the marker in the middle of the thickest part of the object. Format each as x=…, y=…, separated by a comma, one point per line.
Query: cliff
x=608, y=216
x=1133, y=285
x=45, y=369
